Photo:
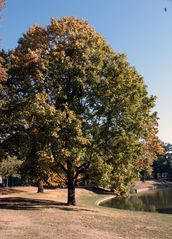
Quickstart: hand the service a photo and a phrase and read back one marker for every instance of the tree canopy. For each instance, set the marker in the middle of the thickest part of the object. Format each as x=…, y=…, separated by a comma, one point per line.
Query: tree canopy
x=83, y=106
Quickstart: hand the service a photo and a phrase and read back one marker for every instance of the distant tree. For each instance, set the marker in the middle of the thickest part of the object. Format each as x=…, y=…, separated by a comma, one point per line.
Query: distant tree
x=163, y=165
x=9, y=166
x=38, y=163
x=27, y=139
x=86, y=105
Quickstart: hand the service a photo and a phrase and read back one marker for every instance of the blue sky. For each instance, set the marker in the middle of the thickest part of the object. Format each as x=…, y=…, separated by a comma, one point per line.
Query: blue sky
x=139, y=28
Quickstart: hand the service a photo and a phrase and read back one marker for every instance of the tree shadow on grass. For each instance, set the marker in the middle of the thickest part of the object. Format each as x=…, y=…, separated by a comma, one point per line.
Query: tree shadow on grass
x=165, y=210
x=6, y=191
x=19, y=203
x=76, y=209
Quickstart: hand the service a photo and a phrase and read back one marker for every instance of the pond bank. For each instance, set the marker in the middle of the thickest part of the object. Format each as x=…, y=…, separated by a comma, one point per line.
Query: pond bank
x=141, y=187
x=151, y=185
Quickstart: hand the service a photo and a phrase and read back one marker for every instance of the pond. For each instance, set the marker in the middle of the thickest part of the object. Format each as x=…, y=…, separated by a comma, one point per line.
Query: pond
x=159, y=200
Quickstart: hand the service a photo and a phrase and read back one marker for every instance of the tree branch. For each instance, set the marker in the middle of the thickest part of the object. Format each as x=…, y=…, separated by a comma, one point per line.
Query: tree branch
x=59, y=163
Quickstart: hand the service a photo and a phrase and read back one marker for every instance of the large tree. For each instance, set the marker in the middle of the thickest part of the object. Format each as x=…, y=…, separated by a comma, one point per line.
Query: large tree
x=99, y=111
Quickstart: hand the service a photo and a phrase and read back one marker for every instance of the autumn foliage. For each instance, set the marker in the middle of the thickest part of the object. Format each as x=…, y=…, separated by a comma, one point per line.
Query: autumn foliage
x=2, y=4
x=81, y=110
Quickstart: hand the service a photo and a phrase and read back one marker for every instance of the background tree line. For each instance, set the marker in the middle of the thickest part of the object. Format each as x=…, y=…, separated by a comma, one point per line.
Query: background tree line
x=162, y=167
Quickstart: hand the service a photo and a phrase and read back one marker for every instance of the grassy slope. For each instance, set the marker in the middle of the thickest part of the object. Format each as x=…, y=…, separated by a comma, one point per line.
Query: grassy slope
x=30, y=215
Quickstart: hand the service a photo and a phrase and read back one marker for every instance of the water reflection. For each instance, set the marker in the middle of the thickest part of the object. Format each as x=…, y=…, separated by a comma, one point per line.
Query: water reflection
x=154, y=200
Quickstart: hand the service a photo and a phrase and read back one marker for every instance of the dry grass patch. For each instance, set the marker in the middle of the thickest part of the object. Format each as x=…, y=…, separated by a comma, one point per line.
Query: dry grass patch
x=30, y=215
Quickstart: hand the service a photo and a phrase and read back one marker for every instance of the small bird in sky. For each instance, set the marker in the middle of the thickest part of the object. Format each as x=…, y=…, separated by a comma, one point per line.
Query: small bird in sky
x=165, y=9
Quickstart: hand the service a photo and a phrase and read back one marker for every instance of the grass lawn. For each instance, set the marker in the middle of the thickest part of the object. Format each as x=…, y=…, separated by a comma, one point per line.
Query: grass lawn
x=27, y=214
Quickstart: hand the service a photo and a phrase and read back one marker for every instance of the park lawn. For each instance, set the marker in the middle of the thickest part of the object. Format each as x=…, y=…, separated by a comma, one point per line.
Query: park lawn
x=27, y=214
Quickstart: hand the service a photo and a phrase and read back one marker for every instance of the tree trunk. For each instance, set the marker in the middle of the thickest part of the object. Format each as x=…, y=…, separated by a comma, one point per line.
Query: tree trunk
x=3, y=181
x=40, y=186
x=6, y=184
x=71, y=182
x=156, y=175
x=71, y=190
